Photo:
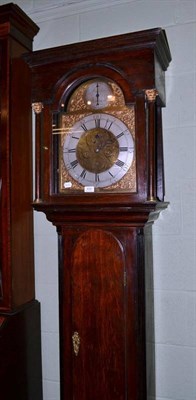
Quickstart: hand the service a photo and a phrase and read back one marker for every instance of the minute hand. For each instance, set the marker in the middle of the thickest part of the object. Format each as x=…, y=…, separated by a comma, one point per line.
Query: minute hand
x=97, y=94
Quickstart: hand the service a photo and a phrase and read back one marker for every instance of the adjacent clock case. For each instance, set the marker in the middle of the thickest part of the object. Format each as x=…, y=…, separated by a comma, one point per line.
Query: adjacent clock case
x=16, y=223
x=20, y=337
x=132, y=67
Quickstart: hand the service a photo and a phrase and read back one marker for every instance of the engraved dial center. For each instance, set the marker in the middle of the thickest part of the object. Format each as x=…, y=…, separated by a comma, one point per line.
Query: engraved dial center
x=97, y=150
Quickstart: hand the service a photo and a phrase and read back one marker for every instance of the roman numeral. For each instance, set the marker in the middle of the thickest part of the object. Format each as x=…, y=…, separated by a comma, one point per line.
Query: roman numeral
x=96, y=177
x=123, y=148
x=83, y=174
x=108, y=124
x=83, y=126
x=119, y=135
x=69, y=150
x=119, y=163
x=74, y=163
x=97, y=123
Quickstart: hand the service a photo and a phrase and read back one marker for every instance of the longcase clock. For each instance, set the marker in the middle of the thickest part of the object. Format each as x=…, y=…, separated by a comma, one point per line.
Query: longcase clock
x=20, y=365
x=100, y=181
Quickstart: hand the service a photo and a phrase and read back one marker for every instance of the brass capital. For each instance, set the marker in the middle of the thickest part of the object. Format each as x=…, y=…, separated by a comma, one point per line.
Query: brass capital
x=37, y=107
x=151, y=94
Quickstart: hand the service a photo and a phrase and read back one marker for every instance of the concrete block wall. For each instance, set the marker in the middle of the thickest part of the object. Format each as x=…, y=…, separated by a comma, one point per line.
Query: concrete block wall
x=63, y=22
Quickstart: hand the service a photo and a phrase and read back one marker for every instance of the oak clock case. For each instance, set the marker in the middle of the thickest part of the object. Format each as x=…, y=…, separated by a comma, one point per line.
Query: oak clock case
x=100, y=181
x=19, y=344
x=96, y=145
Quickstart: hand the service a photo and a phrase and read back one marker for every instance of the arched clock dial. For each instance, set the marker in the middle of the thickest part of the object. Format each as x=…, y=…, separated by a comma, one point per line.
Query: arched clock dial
x=98, y=150
x=95, y=140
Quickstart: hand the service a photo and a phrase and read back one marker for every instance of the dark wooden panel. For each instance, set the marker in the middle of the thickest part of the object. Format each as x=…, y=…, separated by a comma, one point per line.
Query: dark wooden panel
x=16, y=215
x=98, y=315
x=20, y=347
x=5, y=300
x=20, y=354
x=14, y=22
x=21, y=218
x=102, y=297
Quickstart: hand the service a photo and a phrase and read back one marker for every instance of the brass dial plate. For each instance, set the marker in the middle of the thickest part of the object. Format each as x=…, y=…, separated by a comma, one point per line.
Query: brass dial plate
x=67, y=182
x=97, y=150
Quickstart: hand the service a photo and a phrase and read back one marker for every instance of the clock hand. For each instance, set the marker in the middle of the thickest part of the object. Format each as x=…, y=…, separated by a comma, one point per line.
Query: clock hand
x=97, y=94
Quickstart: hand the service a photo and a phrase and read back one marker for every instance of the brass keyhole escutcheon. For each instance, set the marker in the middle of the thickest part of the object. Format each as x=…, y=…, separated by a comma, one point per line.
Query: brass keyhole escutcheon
x=76, y=343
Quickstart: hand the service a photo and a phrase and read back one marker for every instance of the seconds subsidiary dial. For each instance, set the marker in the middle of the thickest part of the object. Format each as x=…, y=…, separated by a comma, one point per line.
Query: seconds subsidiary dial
x=98, y=150
x=99, y=95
